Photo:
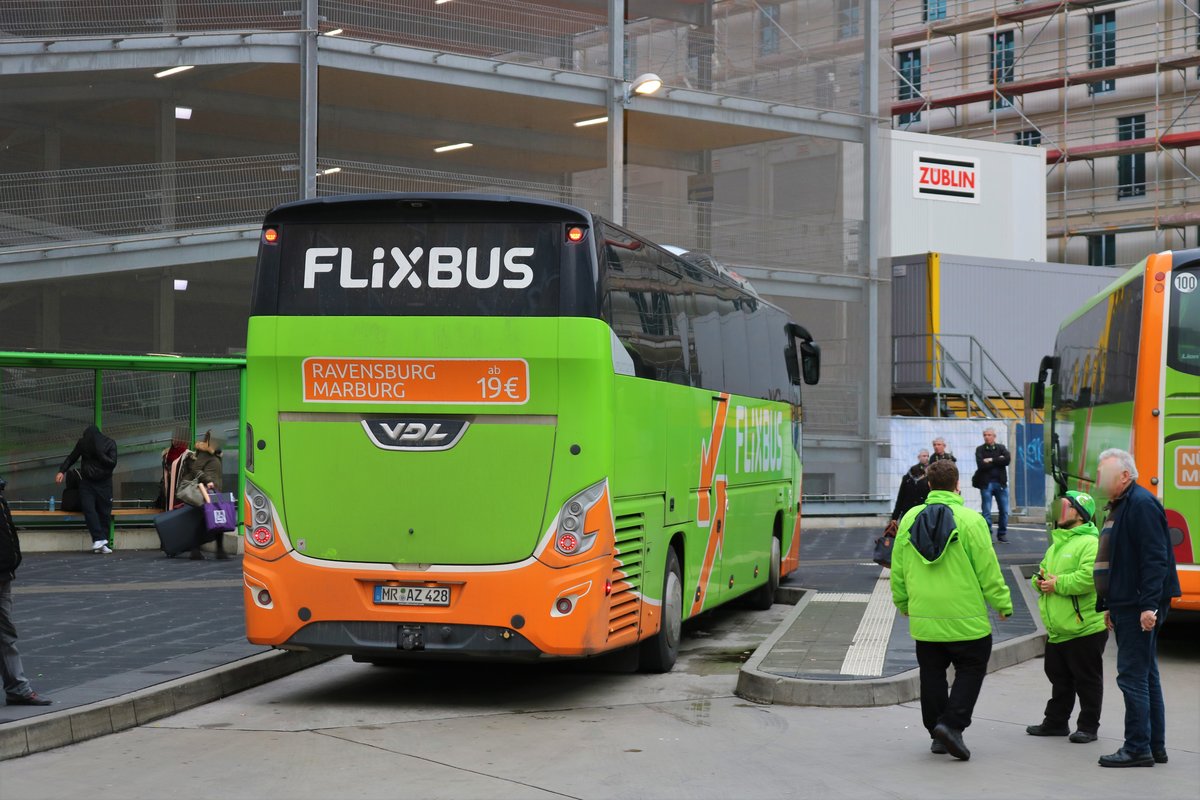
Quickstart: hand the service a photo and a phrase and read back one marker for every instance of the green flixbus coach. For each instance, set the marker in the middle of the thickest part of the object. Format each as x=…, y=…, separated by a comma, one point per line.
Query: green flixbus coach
x=498, y=427
x=1125, y=373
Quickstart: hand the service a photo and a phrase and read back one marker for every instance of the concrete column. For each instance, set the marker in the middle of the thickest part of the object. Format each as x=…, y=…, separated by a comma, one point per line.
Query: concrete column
x=308, y=100
x=616, y=111
x=52, y=162
x=165, y=155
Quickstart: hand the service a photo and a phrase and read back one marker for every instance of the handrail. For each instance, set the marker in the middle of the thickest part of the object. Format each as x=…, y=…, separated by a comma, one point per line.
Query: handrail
x=978, y=378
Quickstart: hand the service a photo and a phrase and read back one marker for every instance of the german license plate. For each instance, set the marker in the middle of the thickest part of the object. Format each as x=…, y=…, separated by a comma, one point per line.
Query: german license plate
x=412, y=595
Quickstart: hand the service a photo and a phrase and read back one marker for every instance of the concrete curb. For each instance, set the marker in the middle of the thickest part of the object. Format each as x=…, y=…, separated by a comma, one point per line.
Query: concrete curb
x=764, y=687
x=72, y=725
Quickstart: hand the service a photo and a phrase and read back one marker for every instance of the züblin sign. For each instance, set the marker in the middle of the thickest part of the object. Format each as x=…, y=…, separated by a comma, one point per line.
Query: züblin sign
x=953, y=178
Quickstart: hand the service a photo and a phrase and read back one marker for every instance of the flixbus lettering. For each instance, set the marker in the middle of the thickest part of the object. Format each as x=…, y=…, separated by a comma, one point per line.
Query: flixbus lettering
x=442, y=267
x=758, y=440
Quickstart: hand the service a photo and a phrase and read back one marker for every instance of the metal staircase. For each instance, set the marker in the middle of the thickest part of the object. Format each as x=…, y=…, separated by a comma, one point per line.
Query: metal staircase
x=951, y=376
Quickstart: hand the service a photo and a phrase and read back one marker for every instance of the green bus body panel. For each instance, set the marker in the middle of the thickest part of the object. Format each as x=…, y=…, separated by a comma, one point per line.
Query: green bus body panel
x=491, y=498
x=481, y=502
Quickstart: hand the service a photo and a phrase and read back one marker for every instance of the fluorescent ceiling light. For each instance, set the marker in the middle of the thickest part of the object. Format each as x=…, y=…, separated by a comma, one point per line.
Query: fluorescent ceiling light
x=440, y=2
x=181, y=284
x=330, y=171
x=335, y=32
x=172, y=71
x=183, y=112
x=583, y=123
x=446, y=148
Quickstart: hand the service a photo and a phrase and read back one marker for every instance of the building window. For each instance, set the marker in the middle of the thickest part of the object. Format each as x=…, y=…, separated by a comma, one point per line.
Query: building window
x=1131, y=168
x=1029, y=138
x=934, y=10
x=1003, y=54
x=847, y=19
x=1102, y=49
x=824, y=79
x=910, y=83
x=1102, y=250
x=768, y=30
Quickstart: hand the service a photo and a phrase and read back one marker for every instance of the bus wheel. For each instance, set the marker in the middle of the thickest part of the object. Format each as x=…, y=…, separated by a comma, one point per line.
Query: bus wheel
x=658, y=654
x=763, y=597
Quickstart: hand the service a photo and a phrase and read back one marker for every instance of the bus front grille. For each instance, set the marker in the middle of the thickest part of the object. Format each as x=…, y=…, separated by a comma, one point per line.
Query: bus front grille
x=625, y=602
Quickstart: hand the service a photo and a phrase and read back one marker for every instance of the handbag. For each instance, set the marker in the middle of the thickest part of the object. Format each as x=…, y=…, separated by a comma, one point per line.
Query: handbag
x=977, y=480
x=191, y=492
x=220, y=511
x=883, y=545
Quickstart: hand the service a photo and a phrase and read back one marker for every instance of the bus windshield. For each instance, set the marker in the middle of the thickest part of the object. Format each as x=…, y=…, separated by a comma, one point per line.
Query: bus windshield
x=422, y=268
x=1183, y=335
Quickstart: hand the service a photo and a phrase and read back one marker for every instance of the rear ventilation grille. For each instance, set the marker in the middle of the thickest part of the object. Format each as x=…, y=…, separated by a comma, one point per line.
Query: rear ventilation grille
x=625, y=603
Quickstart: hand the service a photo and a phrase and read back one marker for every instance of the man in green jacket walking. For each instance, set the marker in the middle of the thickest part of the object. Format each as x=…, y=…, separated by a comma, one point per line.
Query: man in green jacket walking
x=944, y=576
x=1075, y=630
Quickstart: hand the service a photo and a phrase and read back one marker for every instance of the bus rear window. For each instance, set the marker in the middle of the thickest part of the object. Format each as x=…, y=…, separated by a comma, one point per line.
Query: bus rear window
x=1183, y=332
x=424, y=268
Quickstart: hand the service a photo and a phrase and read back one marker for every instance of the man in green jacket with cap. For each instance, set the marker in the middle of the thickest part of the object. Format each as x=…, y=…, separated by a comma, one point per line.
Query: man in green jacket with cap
x=944, y=576
x=1075, y=630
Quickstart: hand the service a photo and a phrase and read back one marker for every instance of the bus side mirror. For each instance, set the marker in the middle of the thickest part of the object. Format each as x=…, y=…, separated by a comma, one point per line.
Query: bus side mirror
x=1046, y=370
x=804, y=356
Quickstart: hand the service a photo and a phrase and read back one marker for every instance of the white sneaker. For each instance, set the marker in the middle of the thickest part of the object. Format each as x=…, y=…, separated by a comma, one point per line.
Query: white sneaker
x=97, y=546
x=105, y=550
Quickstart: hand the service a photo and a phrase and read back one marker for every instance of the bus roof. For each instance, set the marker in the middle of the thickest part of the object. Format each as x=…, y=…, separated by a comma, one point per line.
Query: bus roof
x=337, y=205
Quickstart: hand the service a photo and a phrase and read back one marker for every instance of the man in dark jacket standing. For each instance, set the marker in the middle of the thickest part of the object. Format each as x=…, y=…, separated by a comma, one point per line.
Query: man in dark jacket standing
x=991, y=477
x=99, y=455
x=1135, y=580
x=17, y=691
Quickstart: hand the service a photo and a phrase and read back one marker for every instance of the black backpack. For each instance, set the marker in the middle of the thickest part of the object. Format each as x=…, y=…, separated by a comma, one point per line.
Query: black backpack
x=10, y=544
x=70, y=495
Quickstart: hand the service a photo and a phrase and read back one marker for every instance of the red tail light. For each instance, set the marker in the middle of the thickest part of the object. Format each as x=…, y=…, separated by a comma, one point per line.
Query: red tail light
x=271, y=236
x=262, y=536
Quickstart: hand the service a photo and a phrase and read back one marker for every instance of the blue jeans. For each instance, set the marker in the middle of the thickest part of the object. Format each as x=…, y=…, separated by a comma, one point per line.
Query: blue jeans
x=1137, y=678
x=1000, y=492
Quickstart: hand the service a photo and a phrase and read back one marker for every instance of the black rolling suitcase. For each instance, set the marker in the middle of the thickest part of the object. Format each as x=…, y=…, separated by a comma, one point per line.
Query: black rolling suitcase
x=180, y=529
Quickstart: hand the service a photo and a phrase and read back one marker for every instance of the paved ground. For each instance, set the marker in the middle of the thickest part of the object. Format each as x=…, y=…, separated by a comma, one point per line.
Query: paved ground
x=481, y=731
x=838, y=564
x=93, y=627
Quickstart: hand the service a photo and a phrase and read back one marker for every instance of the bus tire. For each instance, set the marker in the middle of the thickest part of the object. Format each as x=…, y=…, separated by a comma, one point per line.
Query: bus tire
x=658, y=653
x=763, y=597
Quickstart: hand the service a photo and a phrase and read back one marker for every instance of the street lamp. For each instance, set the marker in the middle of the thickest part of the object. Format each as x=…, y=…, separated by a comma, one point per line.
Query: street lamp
x=644, y=84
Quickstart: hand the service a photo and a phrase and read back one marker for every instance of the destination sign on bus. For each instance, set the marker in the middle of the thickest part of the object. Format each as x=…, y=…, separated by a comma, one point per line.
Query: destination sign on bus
x=426, y=381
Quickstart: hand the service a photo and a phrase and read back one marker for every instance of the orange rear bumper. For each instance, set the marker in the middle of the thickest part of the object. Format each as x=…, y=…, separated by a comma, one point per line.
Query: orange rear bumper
x=1189, y=582
x=501, y=602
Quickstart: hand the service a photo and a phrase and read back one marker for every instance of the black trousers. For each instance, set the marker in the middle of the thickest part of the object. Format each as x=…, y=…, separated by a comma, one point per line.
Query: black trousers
x=1076, y=667
x=95, y=498
x=941, y=703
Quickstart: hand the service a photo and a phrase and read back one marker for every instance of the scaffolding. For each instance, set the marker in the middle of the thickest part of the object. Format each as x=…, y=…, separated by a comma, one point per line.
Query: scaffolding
x=1086, y=80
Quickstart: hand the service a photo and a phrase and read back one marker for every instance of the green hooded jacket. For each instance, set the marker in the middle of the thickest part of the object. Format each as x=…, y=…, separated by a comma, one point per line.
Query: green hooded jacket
x=945, y=572
x=1070, y=610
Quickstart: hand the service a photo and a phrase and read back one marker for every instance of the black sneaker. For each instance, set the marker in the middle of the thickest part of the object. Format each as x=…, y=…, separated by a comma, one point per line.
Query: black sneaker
x=938, y=748
x=1160, y=756
x=1082, y=737
x=1002, y=537
x=31, y=699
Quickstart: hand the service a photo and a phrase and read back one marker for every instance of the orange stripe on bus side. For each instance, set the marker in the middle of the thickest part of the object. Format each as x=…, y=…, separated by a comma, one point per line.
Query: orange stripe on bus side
x=1147, y=428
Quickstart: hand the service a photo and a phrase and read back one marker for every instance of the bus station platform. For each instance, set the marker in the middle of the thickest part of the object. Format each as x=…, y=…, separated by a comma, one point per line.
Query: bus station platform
x=845, y=644
x=122, y=639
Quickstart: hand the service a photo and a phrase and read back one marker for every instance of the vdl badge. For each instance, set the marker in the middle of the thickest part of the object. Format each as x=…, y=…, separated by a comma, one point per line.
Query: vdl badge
x=415, y=434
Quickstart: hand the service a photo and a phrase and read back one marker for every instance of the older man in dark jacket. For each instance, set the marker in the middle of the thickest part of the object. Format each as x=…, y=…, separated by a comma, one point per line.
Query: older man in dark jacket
x=1135, y=581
